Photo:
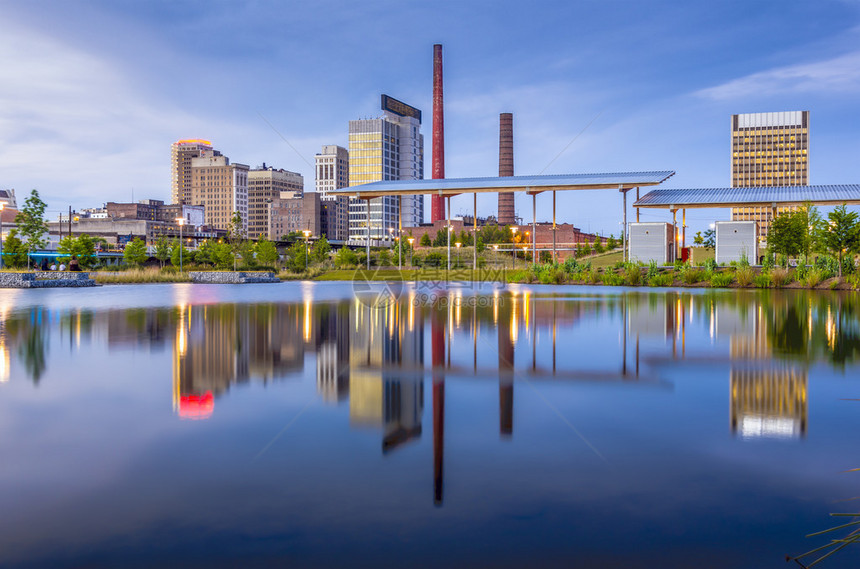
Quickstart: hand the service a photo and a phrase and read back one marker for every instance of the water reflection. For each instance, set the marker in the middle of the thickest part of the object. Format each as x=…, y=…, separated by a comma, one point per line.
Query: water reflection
x=373, y=357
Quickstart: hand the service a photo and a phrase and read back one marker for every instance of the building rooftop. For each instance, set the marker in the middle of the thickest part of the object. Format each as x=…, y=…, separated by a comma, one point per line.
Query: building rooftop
x=738, y=197
x=531, y=184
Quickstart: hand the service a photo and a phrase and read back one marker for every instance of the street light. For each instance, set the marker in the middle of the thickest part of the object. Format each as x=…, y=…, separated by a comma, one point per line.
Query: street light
x=412, y=253
x=458, y=252
x=513, y=247
x=181, y=222
x=307, y=234
x=390, y=236
x=525, y=253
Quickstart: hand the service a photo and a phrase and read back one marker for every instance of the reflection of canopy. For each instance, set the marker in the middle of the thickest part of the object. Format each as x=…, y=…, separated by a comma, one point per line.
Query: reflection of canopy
x=196, y=406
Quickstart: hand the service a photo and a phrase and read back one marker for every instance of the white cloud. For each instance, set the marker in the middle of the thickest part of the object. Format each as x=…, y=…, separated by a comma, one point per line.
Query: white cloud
x=837, y=75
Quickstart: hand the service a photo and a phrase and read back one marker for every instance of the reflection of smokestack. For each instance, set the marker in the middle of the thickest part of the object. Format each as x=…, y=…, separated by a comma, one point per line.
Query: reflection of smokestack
x=507, y=215
x=506, y=378
x=437, y=331
x=437, y=210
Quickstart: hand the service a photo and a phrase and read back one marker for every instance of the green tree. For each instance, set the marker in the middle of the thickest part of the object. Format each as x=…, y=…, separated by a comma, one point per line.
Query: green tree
x=320, y=250
x=162, y=249
x=31, y=223
x=597, y=245
x=788, y=234
x=611, y=243
x=425, y=240
x=441, y=239
x=841, y=233
x=298, y=256
x=267, y=252
x=710, y=239
x=698, y=239
x=179, y=255
x=205, y=254
x=235, y=235
x=246, y=253
x=222, y=255
x=135, y=253
x=345, y=258
x=14, y=251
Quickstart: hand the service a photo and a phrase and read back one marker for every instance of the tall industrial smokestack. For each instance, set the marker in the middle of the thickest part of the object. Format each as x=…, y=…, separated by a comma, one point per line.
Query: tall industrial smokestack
x=507, y=215
x=437, y=210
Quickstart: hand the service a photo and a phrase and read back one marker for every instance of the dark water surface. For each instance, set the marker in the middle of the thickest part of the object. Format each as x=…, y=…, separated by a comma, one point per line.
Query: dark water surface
x=294, y=425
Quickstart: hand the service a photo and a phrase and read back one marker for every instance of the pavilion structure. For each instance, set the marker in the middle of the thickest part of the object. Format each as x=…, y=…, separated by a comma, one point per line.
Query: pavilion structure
x=773, y=197
x=532, y=185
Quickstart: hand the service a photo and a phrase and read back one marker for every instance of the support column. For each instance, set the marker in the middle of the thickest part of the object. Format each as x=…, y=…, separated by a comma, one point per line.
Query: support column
x=367, y=222
x=400, y=232
x=637, y=209
x=553, y=227
x=448, y=229
x=475, y=232
x=684, y=227
x=624, y=254
x=534, y=229
x=674, y=234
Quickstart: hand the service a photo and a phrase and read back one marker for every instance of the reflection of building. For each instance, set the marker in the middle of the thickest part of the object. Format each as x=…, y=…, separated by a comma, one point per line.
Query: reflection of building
x=768, y=150
x=769, y=402
x=219, y=345
x=385, y=345
x=333, y=352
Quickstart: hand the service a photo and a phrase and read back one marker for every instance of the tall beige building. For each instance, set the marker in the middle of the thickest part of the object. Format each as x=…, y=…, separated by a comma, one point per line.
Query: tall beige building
x=265, y=185
x=332, y=173
x=768, y=150
x=332, y=170
x=181, y=154
x=221, y=187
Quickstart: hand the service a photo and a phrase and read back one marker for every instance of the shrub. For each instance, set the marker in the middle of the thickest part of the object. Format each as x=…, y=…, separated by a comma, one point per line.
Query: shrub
x=435, y=259
x=652, y=271
x=613, y=279
x=692, y=276
x=632, y=274
x=814, y=276
x=745, y=275
x=710, y=265
x=664, y=279
x=722, y=280
x=780, y=277
x=594, y=276
x=551, y=275
x=762, y=280
x=767, y=262
x=853, y=280
x=828, y=266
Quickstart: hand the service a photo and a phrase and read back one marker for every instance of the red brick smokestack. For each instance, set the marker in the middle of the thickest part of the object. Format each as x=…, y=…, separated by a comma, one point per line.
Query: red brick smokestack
x=507, y=215
x=437, y=209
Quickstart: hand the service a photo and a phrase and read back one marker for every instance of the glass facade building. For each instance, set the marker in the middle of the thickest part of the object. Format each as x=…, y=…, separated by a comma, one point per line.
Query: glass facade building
x=768, y=150
x=386, y=148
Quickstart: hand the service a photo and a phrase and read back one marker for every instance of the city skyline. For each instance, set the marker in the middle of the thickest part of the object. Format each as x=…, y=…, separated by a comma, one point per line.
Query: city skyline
x=93, y=95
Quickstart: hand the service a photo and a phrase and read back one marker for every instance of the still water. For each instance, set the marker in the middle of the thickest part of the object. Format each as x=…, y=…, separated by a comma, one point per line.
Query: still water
x=298, y=425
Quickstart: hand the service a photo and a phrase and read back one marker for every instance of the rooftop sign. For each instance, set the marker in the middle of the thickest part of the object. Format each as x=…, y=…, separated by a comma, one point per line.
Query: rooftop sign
x=392, y=105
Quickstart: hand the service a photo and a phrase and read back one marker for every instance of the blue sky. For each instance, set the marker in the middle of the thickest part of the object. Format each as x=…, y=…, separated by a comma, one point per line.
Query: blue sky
x=93, y=93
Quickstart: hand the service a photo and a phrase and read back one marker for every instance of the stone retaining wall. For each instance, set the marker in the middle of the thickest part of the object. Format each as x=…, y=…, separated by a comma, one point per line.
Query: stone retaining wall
x=225, y=277
x=45, y=280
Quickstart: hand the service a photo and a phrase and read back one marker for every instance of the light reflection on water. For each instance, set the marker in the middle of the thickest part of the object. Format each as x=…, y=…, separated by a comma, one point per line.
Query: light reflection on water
x=599, y=402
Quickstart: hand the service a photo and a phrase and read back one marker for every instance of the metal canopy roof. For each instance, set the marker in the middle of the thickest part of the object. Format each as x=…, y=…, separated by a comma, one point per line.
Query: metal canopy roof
x=531, y=184
x=738, y=197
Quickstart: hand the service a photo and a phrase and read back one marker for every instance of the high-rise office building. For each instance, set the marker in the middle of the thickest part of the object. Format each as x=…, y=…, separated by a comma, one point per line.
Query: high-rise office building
x=768, y=150
x=332, y=173
x=266, y=184
x=386, y=148
x=221, y=187
x=181, y=154
x=332, y=170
